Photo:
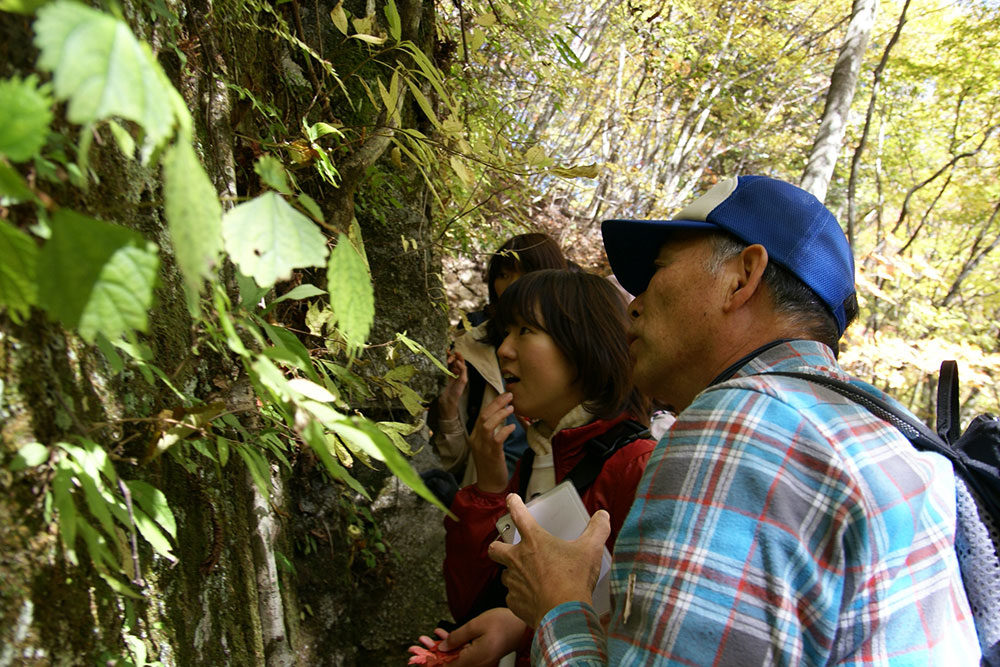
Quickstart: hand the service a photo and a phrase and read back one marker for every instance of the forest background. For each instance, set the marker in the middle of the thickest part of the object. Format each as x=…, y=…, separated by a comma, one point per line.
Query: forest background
x=233, y=237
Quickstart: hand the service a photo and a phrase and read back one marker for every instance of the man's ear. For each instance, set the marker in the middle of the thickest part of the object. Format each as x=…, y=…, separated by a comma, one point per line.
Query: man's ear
x=746, y=277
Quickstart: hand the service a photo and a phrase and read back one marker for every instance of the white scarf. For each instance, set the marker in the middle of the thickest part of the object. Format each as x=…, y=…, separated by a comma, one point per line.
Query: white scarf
x=543, y=473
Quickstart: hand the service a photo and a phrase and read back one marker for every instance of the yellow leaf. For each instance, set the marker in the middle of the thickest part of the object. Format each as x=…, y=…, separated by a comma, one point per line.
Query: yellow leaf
x=339, y=17
x=461, y=170
x=486, y=20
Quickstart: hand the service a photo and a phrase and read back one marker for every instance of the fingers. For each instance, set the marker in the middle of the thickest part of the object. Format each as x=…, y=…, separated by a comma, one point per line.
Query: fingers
x=597, y=530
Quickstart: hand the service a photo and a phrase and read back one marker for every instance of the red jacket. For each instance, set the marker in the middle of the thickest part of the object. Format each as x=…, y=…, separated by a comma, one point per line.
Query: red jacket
x=467, y=568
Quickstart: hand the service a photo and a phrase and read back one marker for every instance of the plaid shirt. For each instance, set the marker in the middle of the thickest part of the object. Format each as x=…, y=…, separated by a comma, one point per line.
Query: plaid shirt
x=779, y=523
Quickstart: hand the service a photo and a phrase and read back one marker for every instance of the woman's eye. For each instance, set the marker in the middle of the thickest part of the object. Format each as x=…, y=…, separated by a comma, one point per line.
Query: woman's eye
x=523, y=330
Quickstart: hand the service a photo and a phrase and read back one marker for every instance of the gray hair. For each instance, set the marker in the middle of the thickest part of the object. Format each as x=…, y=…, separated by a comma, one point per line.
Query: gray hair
x=793, y=299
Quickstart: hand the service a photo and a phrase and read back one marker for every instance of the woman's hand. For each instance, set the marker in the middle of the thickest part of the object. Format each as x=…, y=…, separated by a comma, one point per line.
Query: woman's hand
x=486, y=638
x=448, y=401
x=486, y=442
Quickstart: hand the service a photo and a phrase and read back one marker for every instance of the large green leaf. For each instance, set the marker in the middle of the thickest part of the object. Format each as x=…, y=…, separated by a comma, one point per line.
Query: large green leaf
x=154, y=503
x=103, y=70
x=18, y=262
x=267, y=238
x=96, y=276
x=194, y=216
x=26, y=113
x=352, y=297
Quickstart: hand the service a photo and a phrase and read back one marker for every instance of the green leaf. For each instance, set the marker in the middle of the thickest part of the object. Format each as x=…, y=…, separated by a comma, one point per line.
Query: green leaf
x=18, y=271
x=152, y=534
x=21, y=6
x=26, y=111
x=271, y=377
x=392, y=18
x=272, y=173
x=303, y=291
x=285, y=340
x=258, y=467
x=62, y=498
x=154, y=503
x=96, y=277
x=311, y=207
x=423, y=102
x=320, y=443
x=194, y=217
x=110, y=354
x=414, y=346
x=99, y=66
x=29, y=456
x=352, y=297
x=126, y=144
x=12, y=184
x=399, y=466
x=267, y=238
x=222, y=444
x=410, y=399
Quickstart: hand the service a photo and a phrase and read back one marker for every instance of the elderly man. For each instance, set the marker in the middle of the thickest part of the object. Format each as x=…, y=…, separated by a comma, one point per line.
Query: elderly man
x=777, y=522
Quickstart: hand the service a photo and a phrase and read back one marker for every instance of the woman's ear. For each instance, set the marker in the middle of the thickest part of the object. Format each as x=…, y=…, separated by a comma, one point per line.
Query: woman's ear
x=746, y=276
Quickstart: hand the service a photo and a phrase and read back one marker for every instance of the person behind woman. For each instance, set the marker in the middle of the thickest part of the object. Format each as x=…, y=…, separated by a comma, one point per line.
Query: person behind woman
x=473, y=360
x=565, y=360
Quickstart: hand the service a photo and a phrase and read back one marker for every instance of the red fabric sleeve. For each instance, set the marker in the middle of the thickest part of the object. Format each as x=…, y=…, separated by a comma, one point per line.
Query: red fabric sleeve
x=467, y=567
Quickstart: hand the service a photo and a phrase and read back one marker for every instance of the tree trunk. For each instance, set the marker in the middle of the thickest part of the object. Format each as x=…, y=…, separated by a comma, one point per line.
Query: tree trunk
x=826, y=148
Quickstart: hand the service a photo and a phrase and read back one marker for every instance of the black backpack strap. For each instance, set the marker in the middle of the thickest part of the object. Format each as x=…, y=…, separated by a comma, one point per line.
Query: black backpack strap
x=948, y=426
x=597, y=450
x=917, y=433
x=600, y=449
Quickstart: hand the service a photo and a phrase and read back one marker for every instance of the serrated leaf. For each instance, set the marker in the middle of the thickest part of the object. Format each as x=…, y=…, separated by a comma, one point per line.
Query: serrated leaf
x=154, y=503
x=26, y=111
x=272, y=173
x=99, y=66
x=339, y=17
x=29, y=456
x=352, y=297
x=18, y=272
x=392, y=19
x=194, y=217
x=13, y=185
x=96, y=277
x=267, y=239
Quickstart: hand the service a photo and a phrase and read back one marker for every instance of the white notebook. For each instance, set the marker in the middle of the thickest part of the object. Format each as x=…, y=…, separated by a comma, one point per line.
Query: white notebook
x=561, y=512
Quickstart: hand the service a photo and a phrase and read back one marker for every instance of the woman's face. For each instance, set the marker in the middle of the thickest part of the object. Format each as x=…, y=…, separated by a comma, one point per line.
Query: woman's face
x=505, y=280
x=538, y=375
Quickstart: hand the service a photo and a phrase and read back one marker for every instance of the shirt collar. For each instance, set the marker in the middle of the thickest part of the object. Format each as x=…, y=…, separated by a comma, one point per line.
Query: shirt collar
x=783, y=354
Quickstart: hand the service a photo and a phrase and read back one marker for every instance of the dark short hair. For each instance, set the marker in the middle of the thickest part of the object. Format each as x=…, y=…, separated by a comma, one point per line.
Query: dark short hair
x=524, y=253
x=585, y=316
x=792, y=297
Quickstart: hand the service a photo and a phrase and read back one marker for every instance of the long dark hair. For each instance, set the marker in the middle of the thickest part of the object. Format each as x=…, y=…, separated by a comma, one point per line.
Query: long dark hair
x=586, y=318
x=525, y=253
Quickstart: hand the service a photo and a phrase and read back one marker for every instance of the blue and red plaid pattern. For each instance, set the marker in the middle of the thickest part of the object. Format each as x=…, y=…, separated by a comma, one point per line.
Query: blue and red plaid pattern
x=778, y=523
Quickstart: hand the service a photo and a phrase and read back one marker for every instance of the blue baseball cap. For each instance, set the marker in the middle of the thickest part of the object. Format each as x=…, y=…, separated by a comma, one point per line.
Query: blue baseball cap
x=798, y=232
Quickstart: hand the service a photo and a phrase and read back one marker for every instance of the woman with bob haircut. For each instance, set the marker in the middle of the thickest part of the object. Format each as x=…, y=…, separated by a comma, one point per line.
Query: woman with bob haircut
x=565, y=361
x=477, y=381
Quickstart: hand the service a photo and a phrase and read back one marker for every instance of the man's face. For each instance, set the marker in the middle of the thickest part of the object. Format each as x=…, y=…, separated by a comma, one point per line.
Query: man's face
x=671, y=334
